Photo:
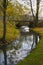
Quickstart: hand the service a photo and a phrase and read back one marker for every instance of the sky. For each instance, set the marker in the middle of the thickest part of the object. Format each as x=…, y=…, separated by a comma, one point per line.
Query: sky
x=26, y=3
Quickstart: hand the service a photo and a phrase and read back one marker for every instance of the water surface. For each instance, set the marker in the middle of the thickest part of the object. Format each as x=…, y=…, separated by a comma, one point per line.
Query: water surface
x=20, y=47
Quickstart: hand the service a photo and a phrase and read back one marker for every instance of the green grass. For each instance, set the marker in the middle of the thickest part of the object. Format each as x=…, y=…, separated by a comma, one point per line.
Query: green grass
x=36, y=56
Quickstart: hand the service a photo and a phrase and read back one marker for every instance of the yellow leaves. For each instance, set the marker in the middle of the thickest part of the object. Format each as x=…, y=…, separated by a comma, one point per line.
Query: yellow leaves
x=11, y=32
x=10, y=10
x=15, y=10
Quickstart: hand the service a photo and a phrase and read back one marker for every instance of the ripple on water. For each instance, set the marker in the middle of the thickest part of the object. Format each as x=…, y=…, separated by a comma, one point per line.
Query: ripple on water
x=14, y=56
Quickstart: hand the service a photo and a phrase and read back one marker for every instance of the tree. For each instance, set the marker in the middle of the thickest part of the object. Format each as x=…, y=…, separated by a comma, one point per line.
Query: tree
x=4, y=32
x=37, y=11
x=14, y=11
x=35, y=17
x=4, y=8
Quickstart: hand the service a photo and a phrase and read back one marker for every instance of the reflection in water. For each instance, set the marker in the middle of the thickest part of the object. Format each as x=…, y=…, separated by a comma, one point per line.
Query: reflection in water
x=20, y=48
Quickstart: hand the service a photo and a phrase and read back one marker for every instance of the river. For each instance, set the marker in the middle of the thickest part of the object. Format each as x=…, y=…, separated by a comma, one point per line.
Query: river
x=21, y=47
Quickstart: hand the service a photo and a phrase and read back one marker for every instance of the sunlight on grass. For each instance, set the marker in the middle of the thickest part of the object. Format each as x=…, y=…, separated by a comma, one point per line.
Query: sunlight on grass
x=38, y=30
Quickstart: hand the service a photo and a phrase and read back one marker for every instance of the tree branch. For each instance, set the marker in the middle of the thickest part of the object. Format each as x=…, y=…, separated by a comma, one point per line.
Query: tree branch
x=32, y=9
x=37, y=10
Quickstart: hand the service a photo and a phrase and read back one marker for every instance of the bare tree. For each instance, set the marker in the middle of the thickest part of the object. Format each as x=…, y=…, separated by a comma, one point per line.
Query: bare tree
x=31, y=9
x=37, y=11
x=35, y=17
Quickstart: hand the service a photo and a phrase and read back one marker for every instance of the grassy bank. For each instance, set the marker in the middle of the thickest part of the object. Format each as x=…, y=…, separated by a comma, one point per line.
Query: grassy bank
x=38, y=30
x=11, y=31
x=36, y=56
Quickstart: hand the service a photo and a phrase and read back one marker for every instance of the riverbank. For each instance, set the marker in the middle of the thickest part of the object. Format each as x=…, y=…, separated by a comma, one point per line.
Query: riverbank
x=38, y=30
x=11, y=31
x=36, y=56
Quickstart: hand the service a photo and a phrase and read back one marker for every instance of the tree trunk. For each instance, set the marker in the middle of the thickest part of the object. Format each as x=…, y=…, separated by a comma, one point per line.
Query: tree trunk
x=32, y=9
x=33, y=24
x=37, y=12
x=35, y=18
x=4, y=20
x=4, y=32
